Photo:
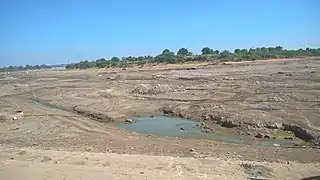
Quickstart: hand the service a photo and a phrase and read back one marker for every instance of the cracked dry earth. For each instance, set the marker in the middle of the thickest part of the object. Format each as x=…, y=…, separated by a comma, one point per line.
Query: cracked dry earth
x=76, y=136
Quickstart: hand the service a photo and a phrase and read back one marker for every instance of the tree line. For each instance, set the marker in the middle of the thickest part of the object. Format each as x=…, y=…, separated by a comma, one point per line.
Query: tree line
x=184, y=55
x=207, y=54
x=27, y=67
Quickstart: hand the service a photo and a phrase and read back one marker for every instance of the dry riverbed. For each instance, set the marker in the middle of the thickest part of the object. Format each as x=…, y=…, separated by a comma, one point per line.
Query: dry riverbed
x=80, y=111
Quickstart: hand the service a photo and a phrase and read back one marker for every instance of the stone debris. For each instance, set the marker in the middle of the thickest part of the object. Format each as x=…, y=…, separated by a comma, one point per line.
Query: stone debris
x=148, y=89
x=267, y=136
x=288, y=138
x=230, y=124
x=129, y=121
x=259, y=135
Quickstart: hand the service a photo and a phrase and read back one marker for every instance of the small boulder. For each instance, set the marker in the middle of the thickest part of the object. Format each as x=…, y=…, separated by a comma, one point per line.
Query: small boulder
x=182, y=128
x=230, y=124
x=267, y=136
x=259, y=135
x=14, y=118
x=276, y=145
x=288, y=138
x=129, y=121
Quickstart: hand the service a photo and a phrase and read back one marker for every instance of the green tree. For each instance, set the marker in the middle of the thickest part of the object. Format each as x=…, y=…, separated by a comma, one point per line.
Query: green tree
x=237, y=51
x=183, y=51
x=225, y=54
x=279, y=48
x=115, y=59
x=207, y=50
x=165, y=51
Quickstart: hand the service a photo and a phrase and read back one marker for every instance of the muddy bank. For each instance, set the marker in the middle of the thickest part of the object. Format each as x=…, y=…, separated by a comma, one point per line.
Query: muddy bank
x=224, y=121
x=92, y=114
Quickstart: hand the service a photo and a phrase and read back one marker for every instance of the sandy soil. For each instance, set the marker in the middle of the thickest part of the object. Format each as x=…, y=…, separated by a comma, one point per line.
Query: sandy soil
x=49, y=164
x=89, y=104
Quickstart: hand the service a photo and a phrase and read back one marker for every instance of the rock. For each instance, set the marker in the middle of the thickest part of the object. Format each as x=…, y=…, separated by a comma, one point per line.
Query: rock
x=46, y=159
x=289, y=74
x=192, y=68
x=192, y=150
x=129, y=121
x=14, y=118
x=14, y=129
x=206, y=117
x=267, y=136
x=259, y=135
x=316, y=141
x=280, y=72
x=248, y=133
x=227, y=78
x=208, y=130
x=230, y=124
x=181, y=115
x=148, y=89
x=276, y=145
x=182, y=128
x=168, y=111
x=274, y=126
x=288, y=138
x=299, y=132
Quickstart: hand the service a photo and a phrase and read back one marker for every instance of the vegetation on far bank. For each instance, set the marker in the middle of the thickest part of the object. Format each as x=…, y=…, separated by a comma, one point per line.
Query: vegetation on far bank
x=29, y=67
x=207, y=54
x=183, y=55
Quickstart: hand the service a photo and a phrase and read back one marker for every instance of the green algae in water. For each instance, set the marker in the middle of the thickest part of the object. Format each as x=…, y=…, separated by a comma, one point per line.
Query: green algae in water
x=180, y=127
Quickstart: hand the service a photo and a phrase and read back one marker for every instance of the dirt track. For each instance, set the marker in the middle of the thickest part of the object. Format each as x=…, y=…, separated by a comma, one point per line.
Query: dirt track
x=89, y=104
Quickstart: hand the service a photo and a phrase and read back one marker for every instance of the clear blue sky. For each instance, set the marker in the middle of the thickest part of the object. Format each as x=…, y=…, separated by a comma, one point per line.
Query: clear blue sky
x=63, y=31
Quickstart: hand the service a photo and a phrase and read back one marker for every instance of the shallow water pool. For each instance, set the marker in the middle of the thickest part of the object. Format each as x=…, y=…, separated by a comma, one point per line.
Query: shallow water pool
x=181, y=128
